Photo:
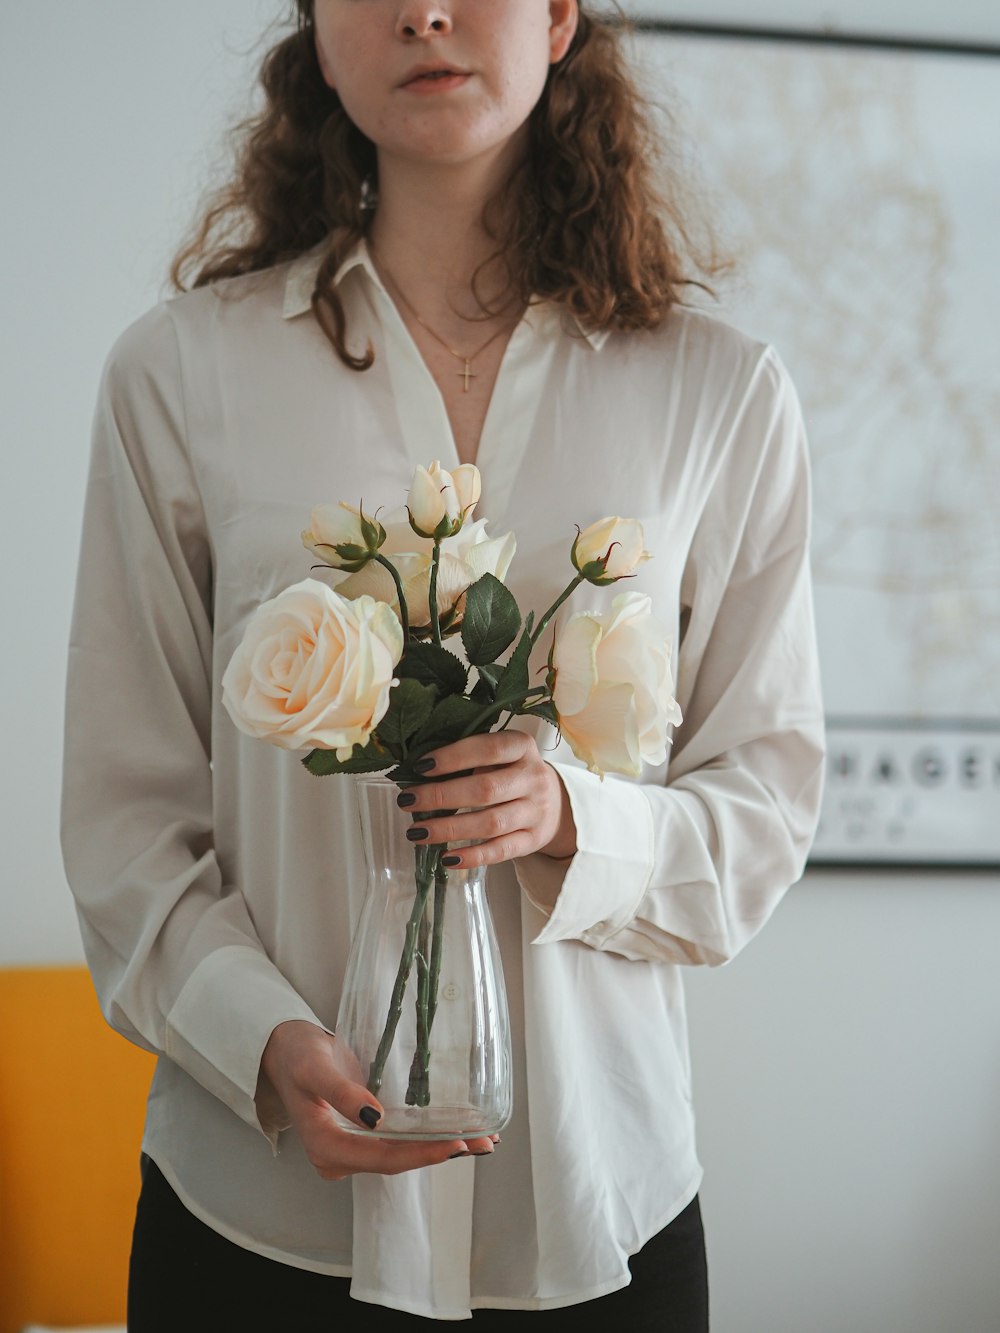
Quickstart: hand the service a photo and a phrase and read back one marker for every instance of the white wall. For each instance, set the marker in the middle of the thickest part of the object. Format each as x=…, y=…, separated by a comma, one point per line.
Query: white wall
x=847, y=1080
x=847, y=1066
x=112, y=114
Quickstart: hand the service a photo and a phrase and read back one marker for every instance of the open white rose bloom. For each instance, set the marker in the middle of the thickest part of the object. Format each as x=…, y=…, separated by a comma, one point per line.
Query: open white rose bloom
x=465, y=557
x=613, y=686
x=313, y=669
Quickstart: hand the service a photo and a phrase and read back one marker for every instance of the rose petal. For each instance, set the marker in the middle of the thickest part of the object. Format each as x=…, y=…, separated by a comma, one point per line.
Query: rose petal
x=574, y=660
x=604, y=734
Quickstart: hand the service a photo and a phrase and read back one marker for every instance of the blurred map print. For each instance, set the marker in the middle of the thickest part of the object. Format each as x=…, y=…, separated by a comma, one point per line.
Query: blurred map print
x=859, y=190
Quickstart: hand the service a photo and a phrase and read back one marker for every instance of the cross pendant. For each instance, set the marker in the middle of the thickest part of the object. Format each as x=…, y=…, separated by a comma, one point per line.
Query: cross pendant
x=466, y=374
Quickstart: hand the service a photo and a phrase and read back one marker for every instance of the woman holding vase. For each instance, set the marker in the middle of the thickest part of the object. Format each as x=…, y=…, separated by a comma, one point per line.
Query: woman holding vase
x=442, y=242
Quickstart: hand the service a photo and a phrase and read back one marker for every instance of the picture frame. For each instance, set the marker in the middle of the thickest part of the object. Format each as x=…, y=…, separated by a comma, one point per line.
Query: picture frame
x=856, y=185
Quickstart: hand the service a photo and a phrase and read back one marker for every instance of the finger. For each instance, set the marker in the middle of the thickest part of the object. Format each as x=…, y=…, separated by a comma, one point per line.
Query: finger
x=336, y=1154
x=350, y=1098
x=472, y=790
x=492, y=821
x=482, y=750
x=507, y=848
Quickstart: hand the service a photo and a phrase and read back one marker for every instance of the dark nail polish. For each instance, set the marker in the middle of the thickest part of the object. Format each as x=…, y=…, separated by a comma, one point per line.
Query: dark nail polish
x=407, y=798
x=369, y=1116
x=416, y=834
x=449, y=860
x=423, y=765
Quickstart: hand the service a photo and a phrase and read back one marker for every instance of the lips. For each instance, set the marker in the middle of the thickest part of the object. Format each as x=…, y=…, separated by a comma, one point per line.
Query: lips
x=431, y=74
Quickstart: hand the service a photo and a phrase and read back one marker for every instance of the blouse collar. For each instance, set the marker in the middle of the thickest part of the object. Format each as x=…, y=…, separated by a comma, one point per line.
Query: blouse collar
x=301, y=282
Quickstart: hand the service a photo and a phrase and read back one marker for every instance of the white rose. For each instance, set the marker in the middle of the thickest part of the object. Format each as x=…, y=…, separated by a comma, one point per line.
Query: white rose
x=313, y=670
x=464, y=558
x=616, y=543
x=440, y=501
x=613, y=687
x=331, y=526
x=341, y=536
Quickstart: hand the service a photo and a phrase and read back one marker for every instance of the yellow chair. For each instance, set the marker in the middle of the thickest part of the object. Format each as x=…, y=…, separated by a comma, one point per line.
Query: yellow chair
x=72, y=1101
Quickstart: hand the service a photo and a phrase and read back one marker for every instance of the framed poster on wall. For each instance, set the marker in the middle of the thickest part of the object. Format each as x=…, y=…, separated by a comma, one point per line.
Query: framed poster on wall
x=857, y=186
x=908, y=791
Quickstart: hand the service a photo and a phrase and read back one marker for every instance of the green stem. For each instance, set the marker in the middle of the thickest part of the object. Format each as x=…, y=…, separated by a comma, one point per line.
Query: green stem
x=377, y=1068
x=418, y=1092
x=403, y=613
x=499, y=705
x=432, y=594
x=418, y=1089
x=440, y=888
x=540, y=627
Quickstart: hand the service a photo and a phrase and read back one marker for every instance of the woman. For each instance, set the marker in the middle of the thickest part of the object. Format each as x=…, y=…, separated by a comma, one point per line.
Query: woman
x=450, y=251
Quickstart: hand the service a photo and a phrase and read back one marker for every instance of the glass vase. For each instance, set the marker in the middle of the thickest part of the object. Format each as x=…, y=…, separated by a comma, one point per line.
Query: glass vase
x=423, y=1019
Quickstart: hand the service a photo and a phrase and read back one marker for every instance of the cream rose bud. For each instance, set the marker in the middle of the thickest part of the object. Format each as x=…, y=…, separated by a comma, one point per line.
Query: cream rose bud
x=313, y=669
x=440, y=501
x=613, y=687
x=616, y=544
x=342, y=536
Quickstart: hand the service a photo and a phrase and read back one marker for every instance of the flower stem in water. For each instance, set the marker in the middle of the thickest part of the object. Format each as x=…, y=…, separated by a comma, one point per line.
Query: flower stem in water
x=424, y=878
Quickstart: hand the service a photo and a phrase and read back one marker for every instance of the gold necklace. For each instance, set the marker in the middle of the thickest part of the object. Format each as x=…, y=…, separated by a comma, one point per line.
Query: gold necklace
x=466, y=373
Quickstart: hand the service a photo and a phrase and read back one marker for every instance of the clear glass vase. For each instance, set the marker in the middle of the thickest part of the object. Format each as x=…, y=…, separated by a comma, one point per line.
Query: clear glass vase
x=423, y=1017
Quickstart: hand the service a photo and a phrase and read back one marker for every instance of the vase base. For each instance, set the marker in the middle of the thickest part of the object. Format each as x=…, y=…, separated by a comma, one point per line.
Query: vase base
x=431, y=1124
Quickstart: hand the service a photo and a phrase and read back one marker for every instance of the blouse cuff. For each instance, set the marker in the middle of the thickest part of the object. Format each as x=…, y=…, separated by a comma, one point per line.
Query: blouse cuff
x=220, y=1023
x=603, y=884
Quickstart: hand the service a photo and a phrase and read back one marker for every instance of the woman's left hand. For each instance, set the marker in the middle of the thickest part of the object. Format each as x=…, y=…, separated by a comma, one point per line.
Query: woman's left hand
x=518, y=803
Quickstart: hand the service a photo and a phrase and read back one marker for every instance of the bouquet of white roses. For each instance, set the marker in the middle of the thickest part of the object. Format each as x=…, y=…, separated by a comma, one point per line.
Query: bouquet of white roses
x=359, y=674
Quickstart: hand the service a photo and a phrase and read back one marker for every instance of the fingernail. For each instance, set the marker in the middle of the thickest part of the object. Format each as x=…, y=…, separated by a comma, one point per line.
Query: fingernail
x=449, y=860
x=407, y=798
x=423, y=765
x=369, y=1116
x=464, y=1153
x=416, y=834
x=484, y=1152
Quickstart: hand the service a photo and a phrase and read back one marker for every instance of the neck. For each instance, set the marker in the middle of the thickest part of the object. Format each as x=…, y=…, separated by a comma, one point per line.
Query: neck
x=428, y=233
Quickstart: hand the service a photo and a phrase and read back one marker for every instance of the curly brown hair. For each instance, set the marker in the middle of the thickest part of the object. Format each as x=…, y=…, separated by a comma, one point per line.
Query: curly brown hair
x=583, y=221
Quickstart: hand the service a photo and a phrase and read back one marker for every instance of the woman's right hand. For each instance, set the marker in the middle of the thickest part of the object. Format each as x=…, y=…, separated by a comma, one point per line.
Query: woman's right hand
x=300, y=1063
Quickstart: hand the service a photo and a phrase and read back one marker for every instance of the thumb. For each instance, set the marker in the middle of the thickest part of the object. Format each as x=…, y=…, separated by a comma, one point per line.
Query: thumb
x=348, y=1097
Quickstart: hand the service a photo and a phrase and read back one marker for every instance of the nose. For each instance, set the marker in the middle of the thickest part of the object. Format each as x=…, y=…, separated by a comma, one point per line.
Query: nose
x=422, y=18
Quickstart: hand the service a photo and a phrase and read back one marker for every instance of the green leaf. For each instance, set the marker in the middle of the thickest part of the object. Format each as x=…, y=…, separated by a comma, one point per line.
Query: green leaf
x=514, y=680
x=490, y=672
x=364, y=759
x=545, y=708
x=482, y=693
x=485, y=689
x=410, y=705
x=447, y=722
x=491, y=620
x=431, y=665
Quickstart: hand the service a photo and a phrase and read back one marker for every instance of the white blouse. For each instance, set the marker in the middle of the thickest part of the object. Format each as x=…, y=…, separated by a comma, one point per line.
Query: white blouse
x=217, y=881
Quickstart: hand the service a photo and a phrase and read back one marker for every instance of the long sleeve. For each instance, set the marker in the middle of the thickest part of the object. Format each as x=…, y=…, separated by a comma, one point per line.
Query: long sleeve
x=688, y=869
x=172, y=948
